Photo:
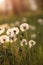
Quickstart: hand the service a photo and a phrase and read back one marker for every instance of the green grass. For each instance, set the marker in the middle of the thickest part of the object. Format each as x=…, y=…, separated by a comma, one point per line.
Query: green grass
x=24, y=56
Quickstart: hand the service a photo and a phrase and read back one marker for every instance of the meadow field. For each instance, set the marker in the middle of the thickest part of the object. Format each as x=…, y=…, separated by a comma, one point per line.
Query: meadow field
x=17, y=53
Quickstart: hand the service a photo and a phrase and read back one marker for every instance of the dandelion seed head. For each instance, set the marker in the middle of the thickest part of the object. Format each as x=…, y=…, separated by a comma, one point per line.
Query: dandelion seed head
x=31, y=43
x=24, y=41
x=15, y=30
x=24, y=27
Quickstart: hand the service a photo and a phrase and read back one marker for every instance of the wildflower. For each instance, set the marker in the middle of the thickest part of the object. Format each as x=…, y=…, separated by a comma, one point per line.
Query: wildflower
x=4, y=38
x=31, y=43
x=15, y=30
x=12, y=39
x=33, y=36
x=24, y=41
x=2, y=30
x=24, y=27
x=10, y=32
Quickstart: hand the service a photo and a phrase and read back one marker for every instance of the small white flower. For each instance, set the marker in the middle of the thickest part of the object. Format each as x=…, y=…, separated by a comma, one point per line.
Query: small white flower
x=24, y=27
x=12, y=39
x=24, y=19
x=32, y=27
x=2, y=30
x=15, y=30
x=40, y=21
x=31, y=43
x=33, y=36
x=10, y=32
x=4, y=38
x=24, y=41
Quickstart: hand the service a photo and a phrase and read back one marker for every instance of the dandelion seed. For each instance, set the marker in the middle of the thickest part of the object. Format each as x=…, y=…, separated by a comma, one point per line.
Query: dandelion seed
x=24, y=41
x=2, y=30
x=31, y=43
x=24, y=27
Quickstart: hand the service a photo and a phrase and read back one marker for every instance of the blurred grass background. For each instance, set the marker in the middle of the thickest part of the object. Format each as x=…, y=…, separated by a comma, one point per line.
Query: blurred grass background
x=9, y=53
x=25, y=56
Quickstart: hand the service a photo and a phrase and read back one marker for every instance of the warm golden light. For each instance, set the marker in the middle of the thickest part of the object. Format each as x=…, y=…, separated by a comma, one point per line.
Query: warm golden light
x=1, y=2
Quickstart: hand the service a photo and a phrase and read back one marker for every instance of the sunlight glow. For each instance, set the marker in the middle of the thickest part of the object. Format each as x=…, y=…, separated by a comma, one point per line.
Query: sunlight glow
x=1, y=2
x=33, y=4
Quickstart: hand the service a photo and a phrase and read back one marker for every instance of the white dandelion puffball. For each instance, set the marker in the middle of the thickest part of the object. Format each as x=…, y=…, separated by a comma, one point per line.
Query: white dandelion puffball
x=5, y=38
x=15, y=30
x=33, y=36
x=2, y=30
x=31, y=43
x=40, y=21
x=12, y=39
x=10, y=32
x=23, y=42
x=24, y=27
x=24, y=19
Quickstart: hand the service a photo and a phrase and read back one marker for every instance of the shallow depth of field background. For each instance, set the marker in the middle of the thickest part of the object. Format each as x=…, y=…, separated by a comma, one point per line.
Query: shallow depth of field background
x=12, y=11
